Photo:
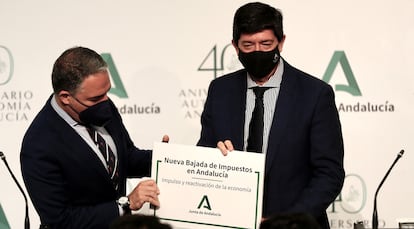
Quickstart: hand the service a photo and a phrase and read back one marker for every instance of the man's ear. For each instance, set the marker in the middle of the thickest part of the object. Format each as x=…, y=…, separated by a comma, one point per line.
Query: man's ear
x=63, y=96
x=235, y=46
x=281, y=43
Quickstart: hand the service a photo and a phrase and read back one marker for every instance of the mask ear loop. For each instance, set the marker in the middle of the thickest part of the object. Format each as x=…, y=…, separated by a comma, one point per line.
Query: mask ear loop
x=276, y=57
x=77, y=100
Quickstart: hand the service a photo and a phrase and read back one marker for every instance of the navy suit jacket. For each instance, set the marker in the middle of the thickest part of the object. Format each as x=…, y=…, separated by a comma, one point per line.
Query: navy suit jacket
x=68, y=184
x=304, y=160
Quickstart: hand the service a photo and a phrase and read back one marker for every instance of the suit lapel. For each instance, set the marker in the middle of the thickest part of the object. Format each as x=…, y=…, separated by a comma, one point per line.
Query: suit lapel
x=75, y=143
x=237, y=119
x=282, y=114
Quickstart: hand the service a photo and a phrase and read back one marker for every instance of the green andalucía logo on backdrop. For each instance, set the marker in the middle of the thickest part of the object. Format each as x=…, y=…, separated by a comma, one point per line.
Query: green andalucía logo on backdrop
x=118, y=88
x=6, y=65
x=4, y=224
x=339, y=57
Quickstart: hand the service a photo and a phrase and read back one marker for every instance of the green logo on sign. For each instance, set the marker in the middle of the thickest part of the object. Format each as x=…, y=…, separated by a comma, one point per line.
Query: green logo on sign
x=3, y=220
x=204, y=203
x=117, y=87
x=352, y=87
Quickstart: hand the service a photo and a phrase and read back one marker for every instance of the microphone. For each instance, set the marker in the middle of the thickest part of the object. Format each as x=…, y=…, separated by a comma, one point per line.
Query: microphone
x=375, y=214
x=26, y=220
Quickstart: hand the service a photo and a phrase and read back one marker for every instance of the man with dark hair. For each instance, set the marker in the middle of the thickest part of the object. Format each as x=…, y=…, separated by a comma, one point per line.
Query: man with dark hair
x=138, y=222
x=77, y=153
x=273, y=108
x=290, y=221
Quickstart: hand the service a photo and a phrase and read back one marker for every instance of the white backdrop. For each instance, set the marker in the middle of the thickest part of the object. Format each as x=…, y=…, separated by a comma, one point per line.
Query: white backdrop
x=158, y=48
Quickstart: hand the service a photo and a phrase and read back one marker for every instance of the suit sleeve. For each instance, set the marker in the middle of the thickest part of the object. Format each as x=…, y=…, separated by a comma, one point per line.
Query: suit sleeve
x=207, y=133
x=326, y=157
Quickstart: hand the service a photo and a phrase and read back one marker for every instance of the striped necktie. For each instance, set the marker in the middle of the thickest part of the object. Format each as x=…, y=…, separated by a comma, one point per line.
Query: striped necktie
x=109, y=156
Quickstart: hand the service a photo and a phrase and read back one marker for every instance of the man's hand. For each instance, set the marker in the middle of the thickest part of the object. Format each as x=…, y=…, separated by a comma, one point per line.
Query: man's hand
x=145, y=192
x=225, y=146
x=165, y=138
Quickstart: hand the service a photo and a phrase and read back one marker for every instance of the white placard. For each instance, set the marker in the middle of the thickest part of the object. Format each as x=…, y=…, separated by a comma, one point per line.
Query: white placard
x=201, y=188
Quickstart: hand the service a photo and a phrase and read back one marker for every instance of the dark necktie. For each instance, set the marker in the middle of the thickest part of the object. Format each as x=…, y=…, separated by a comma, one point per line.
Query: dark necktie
x=107, y=153
x=255, y=139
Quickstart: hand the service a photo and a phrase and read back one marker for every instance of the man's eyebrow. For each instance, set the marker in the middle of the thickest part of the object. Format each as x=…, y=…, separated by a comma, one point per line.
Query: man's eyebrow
x=267, y=40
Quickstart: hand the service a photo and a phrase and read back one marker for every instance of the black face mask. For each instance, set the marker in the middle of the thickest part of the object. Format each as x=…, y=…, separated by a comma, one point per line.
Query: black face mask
x=98, y=115
x=258, y=63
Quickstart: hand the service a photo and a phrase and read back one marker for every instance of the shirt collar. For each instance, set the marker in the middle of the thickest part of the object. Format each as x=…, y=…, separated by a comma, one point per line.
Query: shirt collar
x=62, y=113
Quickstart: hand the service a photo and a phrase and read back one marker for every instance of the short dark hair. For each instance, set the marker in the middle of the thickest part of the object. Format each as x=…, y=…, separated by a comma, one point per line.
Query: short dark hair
x=290, y=221
x=255, y=17
x=138, y=221
x=73, y=66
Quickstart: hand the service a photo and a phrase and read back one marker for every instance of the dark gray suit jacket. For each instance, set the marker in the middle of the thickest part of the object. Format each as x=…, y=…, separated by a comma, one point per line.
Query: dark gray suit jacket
x=67, y=183
x=304, y=159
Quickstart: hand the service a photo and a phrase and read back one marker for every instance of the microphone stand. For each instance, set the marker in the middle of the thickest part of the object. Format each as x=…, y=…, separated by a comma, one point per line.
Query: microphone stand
x=375, y=213
x=26, y=220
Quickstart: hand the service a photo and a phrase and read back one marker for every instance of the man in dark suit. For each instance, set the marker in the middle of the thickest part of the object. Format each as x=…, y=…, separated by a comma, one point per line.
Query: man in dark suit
x=301, y=131
x=77, y=154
